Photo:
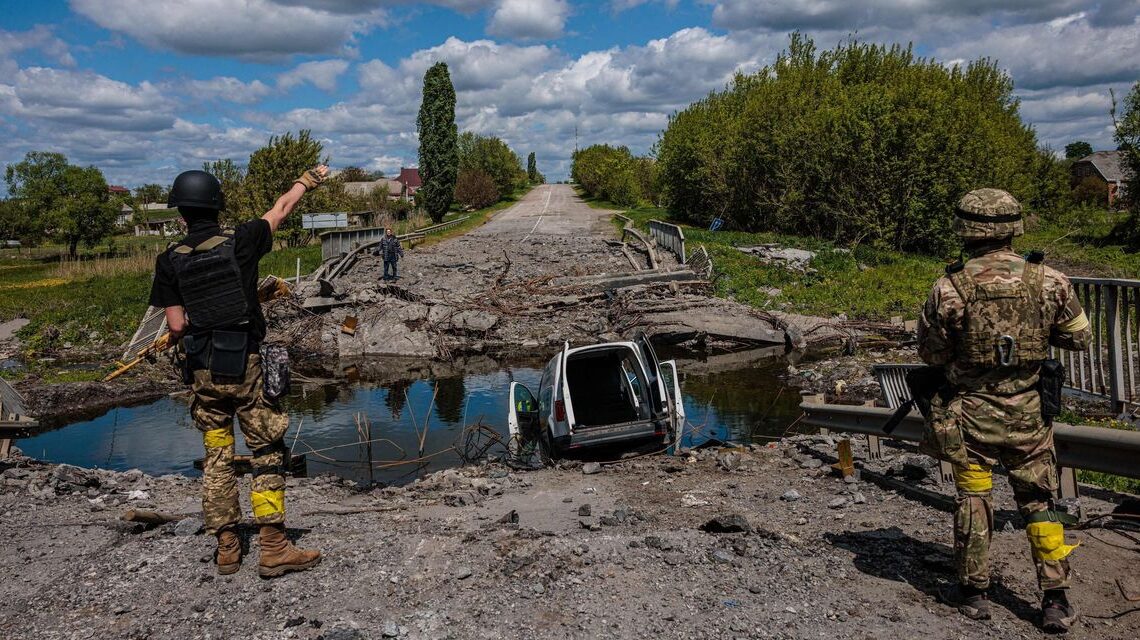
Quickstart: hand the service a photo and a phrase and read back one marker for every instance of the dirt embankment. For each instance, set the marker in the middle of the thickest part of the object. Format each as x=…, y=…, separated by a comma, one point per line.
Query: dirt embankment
x=625, y=551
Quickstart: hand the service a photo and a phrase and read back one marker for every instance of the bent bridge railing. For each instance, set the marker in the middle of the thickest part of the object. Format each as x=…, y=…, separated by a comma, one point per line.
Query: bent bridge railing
x=343, y=241
x=669, y=236
x=1110, y=367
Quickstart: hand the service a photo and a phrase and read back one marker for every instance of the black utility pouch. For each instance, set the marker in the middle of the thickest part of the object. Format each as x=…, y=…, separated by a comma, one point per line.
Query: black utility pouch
x=1052, y=379
x=197, y=350
x=228, y=353
x=274, y=371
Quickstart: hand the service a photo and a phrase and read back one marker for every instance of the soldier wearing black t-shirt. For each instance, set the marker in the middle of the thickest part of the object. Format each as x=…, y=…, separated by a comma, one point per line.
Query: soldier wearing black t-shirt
x=208, y=285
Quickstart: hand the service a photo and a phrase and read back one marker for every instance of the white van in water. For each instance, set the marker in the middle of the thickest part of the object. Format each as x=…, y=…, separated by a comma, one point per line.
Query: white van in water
x=598, y=394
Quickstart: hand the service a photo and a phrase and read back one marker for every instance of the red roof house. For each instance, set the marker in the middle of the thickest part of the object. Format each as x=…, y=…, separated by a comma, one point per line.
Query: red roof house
x=410, y=178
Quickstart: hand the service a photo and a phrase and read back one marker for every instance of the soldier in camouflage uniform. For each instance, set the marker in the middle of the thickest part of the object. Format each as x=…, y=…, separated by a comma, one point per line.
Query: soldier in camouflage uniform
x=208, y=285
x=990, y=322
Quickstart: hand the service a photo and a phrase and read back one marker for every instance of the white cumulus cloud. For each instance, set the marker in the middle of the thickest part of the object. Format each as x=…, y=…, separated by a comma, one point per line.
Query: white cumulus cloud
x=529, y=19
x=249, y=28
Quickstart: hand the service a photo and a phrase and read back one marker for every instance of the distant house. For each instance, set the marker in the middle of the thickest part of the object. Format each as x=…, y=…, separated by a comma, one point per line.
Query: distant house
x=117, y=190
x=410, y=178
x=395, y=188
x=126, y=217
x=156, y=220
x=1105, y=167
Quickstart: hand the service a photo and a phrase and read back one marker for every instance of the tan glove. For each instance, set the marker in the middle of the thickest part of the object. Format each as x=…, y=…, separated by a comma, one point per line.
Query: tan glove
x=311, y=179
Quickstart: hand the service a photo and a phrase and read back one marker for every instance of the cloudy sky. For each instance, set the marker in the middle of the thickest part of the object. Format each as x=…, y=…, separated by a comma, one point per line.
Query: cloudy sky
x=145, y=90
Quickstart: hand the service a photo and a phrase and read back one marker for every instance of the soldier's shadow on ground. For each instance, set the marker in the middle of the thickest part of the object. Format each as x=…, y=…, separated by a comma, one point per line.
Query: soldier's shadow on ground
x=891, y=554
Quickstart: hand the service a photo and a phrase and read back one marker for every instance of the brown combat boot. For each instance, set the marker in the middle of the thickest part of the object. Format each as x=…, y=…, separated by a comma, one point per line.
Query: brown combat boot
x=279, y=556
x=228, y=555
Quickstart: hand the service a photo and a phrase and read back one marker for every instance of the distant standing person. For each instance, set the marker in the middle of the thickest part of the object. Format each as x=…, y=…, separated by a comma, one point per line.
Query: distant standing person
x=989, y=322
x=391, y=252
x=208, y=285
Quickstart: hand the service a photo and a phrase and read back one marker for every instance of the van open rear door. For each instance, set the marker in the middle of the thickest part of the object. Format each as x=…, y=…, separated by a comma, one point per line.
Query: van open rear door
x=522, y=425
x=657, y=392
x=563, y=386
x=676, y=404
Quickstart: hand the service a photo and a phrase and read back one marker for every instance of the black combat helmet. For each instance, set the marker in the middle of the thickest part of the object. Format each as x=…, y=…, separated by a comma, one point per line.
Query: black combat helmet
x=196, y=189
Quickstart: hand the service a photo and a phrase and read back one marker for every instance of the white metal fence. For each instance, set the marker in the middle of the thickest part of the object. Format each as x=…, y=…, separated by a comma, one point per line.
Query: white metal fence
x=669, y=236
x=1110, y=366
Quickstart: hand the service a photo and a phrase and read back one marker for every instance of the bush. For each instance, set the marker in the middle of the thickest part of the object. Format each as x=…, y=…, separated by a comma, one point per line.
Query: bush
x=1091, y=192
x=475, y=189
x=863, y=143
x=614, y=174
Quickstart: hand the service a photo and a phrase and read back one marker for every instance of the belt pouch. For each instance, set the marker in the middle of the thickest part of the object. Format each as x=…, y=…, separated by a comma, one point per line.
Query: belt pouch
x=229, y=353
x=197, y=350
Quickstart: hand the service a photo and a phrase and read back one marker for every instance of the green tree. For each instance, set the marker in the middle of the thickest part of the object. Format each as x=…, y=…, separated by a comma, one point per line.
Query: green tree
x=531, y=169
x=60, y=200
x=354, y=174
x=438, y=154
x=492, y=156
x=475, y=189
x=859, y=144
x=1077, y=149
x=1128, y=137
x=271, y=172
x=150, y=193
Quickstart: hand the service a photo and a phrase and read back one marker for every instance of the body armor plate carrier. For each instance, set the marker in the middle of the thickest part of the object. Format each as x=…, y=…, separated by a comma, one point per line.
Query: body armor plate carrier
x=1005, y=324
x=209, y=279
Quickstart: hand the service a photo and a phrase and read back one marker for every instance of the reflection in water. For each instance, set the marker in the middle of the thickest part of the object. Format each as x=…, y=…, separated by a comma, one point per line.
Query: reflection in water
x=744, y=405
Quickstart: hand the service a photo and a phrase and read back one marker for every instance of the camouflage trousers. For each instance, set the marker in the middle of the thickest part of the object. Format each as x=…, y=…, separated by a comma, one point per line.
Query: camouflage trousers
x=216, y=401
x=1008, y=430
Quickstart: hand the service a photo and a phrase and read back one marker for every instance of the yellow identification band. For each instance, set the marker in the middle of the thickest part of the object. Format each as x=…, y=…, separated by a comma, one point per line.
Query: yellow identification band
x=1079, y=323
x=267, y=503
x=215, y=438
x=974, y=478
x=1047, y=539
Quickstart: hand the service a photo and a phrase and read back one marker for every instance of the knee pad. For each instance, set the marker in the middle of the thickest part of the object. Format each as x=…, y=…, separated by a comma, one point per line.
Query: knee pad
x=974, y=478
x=1047, y=537
x=215, y=438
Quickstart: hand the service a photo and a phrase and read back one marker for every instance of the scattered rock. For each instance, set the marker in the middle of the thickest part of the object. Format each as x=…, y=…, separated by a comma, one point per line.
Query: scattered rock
x=187, y=527
x=837, y=503
x=590, y=468
x=859, y=498
x=727, y=523
x=390, y=630
x=811, y=463
x=463, y=573
x=720, y=556
x=791, y=495
x=585, y=510
x=729, y=460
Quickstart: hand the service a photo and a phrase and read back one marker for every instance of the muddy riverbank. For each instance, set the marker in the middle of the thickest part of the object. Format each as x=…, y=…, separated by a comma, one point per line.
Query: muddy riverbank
x=488, y=552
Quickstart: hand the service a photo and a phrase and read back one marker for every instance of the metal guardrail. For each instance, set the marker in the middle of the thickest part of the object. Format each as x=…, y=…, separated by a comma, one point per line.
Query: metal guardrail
x=669, y=236
x=335, y=243
x=1110, y=366
x=700, y=263
x=1112, y=451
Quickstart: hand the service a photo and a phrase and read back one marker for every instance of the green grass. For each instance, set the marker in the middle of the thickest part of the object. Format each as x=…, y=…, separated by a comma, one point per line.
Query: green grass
x=873, y=284
x=1079, y=242
x=863, y=284
x=283, y=262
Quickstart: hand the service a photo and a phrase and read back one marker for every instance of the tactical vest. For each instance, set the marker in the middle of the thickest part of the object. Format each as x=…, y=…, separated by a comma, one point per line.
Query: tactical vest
x=209, y=279
x=1005, y=323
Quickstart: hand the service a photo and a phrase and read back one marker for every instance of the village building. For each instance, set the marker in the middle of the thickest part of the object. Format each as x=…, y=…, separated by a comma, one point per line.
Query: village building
x=1106, y=168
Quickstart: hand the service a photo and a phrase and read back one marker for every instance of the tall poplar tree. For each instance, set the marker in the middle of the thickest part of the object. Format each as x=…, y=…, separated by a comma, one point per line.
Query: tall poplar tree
x=531, y=168
x=439, y=154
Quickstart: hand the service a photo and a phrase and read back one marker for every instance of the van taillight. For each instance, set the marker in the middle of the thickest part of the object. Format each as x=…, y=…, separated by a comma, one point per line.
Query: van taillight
x=559, y=410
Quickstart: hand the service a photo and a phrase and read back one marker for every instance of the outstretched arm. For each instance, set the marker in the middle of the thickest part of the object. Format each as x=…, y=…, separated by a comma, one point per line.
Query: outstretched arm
x=288, y=201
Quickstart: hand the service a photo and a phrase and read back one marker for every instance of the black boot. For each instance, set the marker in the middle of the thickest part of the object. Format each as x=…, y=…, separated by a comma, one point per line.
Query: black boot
x=970, y=601
x=1057, y=615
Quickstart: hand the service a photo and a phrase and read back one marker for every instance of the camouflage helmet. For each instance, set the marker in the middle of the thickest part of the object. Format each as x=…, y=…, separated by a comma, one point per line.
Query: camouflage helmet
x=988, y=214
